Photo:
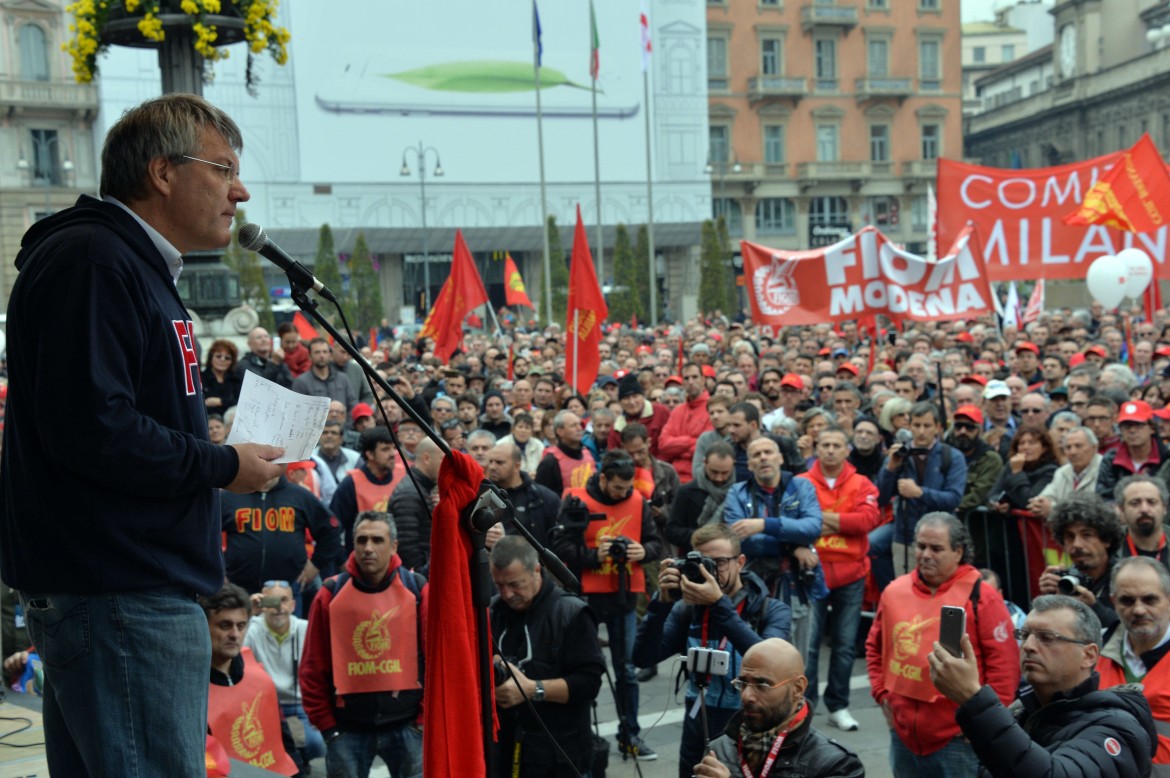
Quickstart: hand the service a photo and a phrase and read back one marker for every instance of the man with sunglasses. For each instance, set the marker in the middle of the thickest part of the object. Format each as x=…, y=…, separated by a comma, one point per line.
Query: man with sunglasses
x=729, y=611
x=983, y=462
x=1065, y=721
x=772, y=734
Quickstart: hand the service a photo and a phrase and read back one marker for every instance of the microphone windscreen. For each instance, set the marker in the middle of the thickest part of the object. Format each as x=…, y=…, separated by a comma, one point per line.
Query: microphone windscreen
x=251, y=236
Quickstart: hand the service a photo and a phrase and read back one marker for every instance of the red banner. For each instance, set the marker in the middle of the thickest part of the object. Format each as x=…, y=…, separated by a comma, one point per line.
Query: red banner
x=861, y=276
x=1132, y=196
x=1019, y=215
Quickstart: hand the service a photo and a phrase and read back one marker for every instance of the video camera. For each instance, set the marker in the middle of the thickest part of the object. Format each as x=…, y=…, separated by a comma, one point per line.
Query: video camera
x=691, y=566
x=575, y=516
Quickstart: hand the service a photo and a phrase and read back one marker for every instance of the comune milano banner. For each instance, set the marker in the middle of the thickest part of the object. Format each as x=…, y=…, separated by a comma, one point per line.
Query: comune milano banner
x=864, y=275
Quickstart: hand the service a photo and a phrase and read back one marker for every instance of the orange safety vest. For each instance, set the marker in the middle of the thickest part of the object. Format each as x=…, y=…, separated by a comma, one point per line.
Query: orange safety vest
x=370, y=496
x=245, y=719
x=644, y=482
x=374, y=638
x=623, y=519
x=910, y=624
x=1156, y=690
x=574, y=472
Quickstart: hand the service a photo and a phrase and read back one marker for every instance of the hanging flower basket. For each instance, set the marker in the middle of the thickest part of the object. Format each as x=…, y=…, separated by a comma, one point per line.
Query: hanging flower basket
x=209, y=25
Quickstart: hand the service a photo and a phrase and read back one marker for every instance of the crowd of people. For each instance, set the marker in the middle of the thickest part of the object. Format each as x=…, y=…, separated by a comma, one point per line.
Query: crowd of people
x=750, y=499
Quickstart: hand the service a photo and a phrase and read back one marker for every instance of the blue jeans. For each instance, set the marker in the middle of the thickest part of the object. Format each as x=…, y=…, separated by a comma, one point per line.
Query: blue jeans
x=881, y=555
x=954, y=760
x=842, y=630
x=314, y=743
x=690, y=748
x=626, y=675
x=352, y=753
x=125, y=682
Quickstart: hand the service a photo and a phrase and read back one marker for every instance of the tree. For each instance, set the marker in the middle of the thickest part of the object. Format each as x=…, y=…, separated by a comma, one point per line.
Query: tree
x=642, y=269
x=729, y=269
x=327, y=269
x=365, y=287
x=626, y=302
x=246, y=264
x=559, y=274
x=712, y=271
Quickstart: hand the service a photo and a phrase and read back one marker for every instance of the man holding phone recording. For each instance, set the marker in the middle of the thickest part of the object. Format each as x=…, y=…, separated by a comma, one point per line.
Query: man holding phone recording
x=925, y=740
x=708, y=601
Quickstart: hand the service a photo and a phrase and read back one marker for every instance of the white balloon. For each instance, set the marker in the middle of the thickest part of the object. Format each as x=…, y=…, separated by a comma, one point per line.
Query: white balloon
x=1141, y=271
x=1107, y=279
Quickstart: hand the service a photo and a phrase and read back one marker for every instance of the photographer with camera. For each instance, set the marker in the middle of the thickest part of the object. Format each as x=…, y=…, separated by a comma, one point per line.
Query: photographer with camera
x=549, y=653
x=1091, y=535
x=707, y=600
x=604, y=533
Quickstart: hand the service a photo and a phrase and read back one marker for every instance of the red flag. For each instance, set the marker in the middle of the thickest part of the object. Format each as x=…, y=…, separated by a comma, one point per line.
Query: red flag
x=1035, y=303
x=680, y=356
x=1153, y=298
x=1133, y=196
x=511, y=365
x=633, y=321
x=584, y=315
x=461, y=294
x=474, y=321
x=514, y=291
x=305, y=330
x=373, y=338
x=452, y=730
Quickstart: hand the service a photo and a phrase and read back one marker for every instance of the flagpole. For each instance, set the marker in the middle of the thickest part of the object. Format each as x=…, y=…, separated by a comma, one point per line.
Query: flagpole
x=492, y=311
x=650, y=201
x=596, y=150
x=577, y=345
x=548, y=311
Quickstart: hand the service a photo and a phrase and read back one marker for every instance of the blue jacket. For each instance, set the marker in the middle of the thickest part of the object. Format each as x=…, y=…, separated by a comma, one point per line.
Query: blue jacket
x=941, y=491
x=669, y=629
x=795, y=520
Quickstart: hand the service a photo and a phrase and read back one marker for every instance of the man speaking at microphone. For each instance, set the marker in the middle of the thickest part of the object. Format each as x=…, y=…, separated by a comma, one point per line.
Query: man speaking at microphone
x=95, y=324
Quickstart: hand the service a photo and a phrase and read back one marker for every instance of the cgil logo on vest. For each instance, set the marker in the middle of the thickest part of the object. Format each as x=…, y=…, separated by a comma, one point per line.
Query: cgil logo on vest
x=908, y=636
x=248, y=734
x=371, y=639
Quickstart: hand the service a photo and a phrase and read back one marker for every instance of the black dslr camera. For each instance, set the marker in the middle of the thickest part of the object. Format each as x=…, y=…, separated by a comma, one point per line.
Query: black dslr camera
x=619, y=549
x=1070, y=579
x=691, y=566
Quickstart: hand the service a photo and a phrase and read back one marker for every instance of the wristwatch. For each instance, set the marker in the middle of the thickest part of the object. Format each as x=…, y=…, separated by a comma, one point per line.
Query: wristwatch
x=538, y=696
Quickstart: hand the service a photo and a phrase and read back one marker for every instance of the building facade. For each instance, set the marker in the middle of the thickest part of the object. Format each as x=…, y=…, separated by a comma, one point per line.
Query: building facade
x=826, y=117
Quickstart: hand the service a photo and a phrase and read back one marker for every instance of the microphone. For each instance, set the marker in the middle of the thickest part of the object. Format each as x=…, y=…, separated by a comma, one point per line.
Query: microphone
x=904, y=436
x=253, y=238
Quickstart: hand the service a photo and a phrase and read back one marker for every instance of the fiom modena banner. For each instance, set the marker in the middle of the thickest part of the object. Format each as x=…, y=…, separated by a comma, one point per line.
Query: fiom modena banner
x=864, y=275
x=1019, y=216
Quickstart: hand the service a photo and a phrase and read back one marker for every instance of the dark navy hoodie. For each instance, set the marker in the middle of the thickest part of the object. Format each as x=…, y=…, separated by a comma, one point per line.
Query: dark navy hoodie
x=107, y=481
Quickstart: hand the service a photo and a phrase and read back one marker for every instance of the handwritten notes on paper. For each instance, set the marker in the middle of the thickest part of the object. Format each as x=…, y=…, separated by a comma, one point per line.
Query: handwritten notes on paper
x=268, y=413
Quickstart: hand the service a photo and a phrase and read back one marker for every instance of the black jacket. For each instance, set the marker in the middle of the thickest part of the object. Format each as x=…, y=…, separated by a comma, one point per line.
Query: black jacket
x=344, y=502
x=1111, y=472
x=536, y=508
x=806, y=752
x=684, y=512
x=265, y=535
x=228, y=391
x=266, y=368
x=1087, y=732
x=561, y=631
x=106, y=411
x=548, y=472
x=1017, y=488
x=412, y=516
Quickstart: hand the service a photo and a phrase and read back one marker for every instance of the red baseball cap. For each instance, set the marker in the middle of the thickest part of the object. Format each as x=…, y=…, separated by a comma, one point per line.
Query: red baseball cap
x=849, y=367
x=674, y=379
x=1076, y=359
x=793, y=380
x=970, y=412
x=1163, y=352
x=1097, y=349
x=1028, y=346
x=361, y=410
x=1135, y=410
x=973, y=379
x=826, y=351
x=1162, y=413
x=708, y=371
x=965, y=337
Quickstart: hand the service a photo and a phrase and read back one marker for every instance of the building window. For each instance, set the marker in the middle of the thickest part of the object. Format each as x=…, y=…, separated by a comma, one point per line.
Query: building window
x=929, y=66
x=928, y=5
x=717, y=62
x=920, y=214
x=720, y=146
x=879, y=5
x=826, y=64
x=828, y=211
x=878, y=57
x=879, y=142
x=931, y=141
x=770, y=3
x=774, y=144
x=775, y=216
x=45, y=170
x=883, y=211
x=979, y=54
x=827, y=145
x=731, y=212
x=1122, y=136
x=770, y=57
x=1008, y=52
x=34, y=53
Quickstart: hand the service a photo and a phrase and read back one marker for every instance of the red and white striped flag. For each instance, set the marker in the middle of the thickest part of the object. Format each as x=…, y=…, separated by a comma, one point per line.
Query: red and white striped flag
x=646, y=46
x=1035, y=303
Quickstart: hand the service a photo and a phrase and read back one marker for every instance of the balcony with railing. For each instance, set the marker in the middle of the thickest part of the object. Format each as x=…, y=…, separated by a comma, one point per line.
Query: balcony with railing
x=764, y=87
x=47, y=95
x=832, y=17
x=920, y=168
x=812, y=172
x=883, y=87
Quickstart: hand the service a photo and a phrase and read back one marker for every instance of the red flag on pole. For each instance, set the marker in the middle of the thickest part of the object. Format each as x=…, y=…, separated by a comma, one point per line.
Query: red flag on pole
x=515, y=292
x=373, y=338
x=305, y=330
x=584, y=315
x=1133, y=196
x=461, y=294
x=1153, y=298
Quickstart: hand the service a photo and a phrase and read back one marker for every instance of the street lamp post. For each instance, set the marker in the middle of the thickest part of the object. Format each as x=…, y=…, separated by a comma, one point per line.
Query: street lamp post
x=420, y=157
x=42, y=148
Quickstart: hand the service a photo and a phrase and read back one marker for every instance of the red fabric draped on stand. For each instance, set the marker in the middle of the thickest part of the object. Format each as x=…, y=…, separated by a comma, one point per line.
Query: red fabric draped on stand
x=452, y=733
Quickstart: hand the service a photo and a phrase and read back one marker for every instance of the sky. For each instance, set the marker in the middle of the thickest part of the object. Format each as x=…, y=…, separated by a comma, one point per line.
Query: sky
x=978, y=10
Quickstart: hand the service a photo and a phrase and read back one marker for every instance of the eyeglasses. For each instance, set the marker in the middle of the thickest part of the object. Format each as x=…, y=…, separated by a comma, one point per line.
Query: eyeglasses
x=721, y=562
x=759, y=687
x=1046, y=638
x=221, y=355
x=450, y=424
x=1030, y=411
x=230, y=172
x=961, y=425
x=277, y=583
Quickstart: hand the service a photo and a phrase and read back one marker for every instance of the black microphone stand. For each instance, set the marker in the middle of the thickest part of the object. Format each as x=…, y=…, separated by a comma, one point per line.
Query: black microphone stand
x=491, y=507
